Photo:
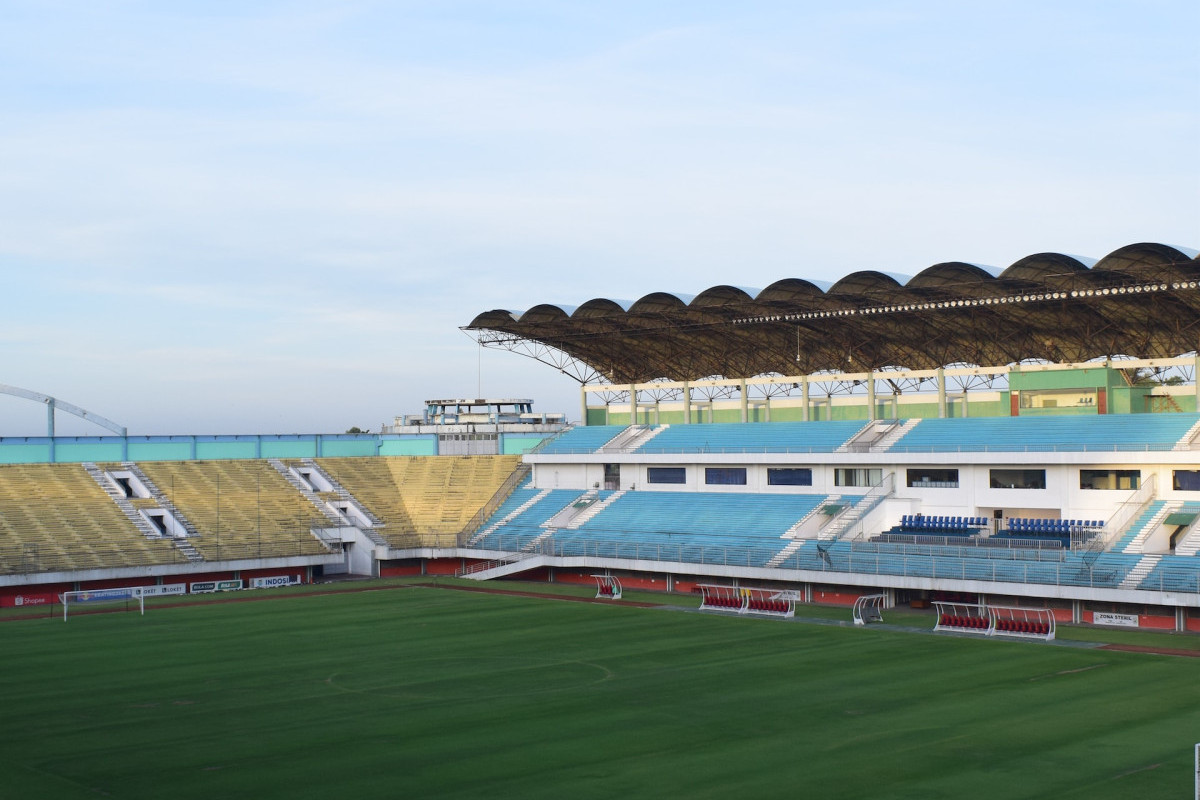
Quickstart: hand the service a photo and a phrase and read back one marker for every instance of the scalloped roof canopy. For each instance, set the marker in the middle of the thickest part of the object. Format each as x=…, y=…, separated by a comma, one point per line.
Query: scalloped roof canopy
x=1140, y=300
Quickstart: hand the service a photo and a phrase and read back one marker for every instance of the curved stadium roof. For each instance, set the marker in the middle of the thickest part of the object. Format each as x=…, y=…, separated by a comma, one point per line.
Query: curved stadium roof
x=1141, y=300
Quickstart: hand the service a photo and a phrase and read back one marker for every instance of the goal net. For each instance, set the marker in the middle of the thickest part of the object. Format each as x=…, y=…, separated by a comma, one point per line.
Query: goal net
x=125, y=599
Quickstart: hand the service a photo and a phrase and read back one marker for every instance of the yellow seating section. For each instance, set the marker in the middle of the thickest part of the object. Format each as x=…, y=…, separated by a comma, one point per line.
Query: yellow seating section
x=424, y=500
x=55, y=517
x=240, y=508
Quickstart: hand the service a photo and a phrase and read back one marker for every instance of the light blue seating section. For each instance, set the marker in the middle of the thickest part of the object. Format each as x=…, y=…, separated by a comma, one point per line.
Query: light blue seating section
x=527, y=526
x=581, y=439
x=1057, y=567
x=700, y=527
x=735, y=529
x=1106, y=432
x=753, y=437
x=1174, y=574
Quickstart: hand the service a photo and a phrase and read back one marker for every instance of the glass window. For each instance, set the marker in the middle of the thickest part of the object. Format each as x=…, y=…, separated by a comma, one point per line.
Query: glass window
x=1186, y=480
x=1110, y=478
x=848, y=476
x=1017, y=478
x=725, y=476
x=925, y=478
x=666, y=475
x=789, y=476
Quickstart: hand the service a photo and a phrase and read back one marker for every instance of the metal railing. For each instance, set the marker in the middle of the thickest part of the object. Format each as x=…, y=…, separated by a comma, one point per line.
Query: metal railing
x=860, y=558
x=497, y=499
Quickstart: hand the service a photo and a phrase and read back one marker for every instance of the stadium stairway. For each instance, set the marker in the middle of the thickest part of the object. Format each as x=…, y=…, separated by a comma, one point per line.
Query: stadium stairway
x=160, y=497
x=1135, y=536
x=139, y=522
x=592, y=510
x=501, y=567
x=509, y=517
x=1140, y=570
x=309, y=495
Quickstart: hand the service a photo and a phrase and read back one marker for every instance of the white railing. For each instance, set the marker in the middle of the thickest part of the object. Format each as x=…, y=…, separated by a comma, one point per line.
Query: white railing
x=1060, y=569
x=1126, y=513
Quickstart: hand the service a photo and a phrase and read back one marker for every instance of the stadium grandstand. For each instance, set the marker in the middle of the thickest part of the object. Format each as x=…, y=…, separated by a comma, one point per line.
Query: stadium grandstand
x=1025, y=438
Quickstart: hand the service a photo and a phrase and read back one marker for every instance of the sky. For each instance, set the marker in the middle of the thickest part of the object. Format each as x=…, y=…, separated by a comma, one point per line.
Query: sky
x=275, y=217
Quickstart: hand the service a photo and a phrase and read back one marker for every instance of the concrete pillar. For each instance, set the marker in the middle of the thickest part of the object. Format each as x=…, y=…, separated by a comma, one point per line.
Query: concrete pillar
x=745, y=402
x=583, y=415
x=871, y=395
x=687, y=403
x=633, y=404
x=804, y=397
x=941, y=382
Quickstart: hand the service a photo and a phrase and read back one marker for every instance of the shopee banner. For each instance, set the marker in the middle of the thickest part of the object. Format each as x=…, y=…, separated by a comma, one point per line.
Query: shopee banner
x=31, y=599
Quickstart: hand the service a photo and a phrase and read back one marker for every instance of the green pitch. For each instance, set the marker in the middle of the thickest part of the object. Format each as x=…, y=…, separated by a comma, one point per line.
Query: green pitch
x=420, y=692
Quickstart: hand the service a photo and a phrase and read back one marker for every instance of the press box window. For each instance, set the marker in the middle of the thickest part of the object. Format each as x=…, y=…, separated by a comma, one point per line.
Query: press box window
x=1186, y=480
x=666, y=475
x=1110, y=478
x=1017, y=478
x=844, y=476
x=789, y=476
x=933, y=478
x=725, y=476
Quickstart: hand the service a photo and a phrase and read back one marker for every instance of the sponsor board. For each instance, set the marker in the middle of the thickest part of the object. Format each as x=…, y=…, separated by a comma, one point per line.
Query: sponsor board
x=1124, y=620
x=274, y=581
x=102, y=595
x=203, y=587
x=28, y=600
x=165, y=589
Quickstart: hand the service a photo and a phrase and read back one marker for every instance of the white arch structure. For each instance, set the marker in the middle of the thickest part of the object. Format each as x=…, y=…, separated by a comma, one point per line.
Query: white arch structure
x=53, y=404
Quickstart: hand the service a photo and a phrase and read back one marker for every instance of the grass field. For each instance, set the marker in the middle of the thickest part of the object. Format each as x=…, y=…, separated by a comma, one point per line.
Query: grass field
x=422, y=692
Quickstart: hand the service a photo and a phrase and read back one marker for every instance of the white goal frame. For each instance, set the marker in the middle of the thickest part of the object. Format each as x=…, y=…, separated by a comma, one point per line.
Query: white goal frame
x=85, y=596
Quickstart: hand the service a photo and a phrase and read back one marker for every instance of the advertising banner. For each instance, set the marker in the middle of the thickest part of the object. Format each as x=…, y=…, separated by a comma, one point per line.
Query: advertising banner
x=1124, y=620
x=165, y=589
x=32, y=599
x=203, y=587
x=102, y=595
x=273, y=581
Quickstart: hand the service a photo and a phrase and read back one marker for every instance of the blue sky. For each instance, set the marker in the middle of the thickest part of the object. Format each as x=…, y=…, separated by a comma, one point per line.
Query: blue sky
x=270, y=217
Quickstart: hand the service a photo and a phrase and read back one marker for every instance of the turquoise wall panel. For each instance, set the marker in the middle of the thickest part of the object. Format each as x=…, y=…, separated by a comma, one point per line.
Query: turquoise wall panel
x=24, y=453
x=518, y=445
x=289, y=449
x=72, y=452
x=408, y=446
x=230, y=449
x=160, y=451
x=342, y=448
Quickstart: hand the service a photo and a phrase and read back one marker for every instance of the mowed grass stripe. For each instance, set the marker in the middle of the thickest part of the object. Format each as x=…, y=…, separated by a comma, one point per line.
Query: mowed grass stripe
x=426, y=692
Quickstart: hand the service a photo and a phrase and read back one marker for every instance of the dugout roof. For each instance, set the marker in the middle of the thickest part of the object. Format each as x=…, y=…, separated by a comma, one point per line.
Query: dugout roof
x=1141, y=300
